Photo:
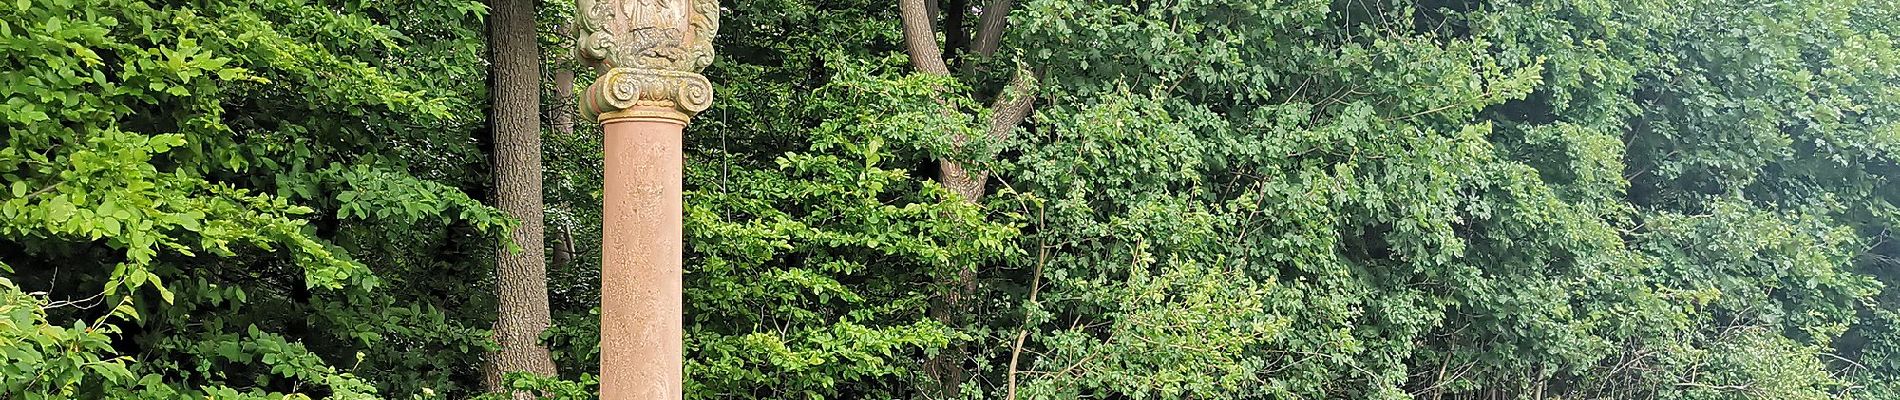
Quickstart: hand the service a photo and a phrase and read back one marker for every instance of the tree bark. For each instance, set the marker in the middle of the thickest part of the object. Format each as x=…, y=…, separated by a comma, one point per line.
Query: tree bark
x=564, y=247
x=1012, y=106
x=920, y=42
x=990, y=27
x=561, y=115
x=920, y=39
x=932, y=10
x=1008, y=111
x=520, y=277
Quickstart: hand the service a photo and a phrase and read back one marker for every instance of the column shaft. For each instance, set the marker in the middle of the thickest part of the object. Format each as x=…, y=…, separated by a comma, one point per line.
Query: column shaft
x=641, y=323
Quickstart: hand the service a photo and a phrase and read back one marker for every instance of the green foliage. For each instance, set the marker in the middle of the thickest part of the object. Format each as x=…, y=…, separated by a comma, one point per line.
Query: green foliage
x=545, y=387
x=1476, y=199
x=216, y=170
x=50, y=362
x=1283, y=199
x=833, y=241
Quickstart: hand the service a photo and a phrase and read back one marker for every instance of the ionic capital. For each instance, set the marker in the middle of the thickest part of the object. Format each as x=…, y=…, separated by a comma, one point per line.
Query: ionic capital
x=647, y=94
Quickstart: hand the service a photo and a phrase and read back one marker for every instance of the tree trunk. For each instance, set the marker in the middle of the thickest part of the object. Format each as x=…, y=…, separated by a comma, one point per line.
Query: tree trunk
x=1010, y=109
x=561, y=116
x=920, y=37
x=955, y=38
x=564, y=247
x=990, y=27
x=932, y=10
x=520, y=277
x=920, y=42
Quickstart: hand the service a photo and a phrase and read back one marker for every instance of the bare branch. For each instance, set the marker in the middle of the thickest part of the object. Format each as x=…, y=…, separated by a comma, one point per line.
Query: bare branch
x=1035, y=287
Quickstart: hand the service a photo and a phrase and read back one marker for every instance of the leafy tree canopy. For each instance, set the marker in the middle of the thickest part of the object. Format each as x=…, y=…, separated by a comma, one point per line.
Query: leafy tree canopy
x=1286, y=199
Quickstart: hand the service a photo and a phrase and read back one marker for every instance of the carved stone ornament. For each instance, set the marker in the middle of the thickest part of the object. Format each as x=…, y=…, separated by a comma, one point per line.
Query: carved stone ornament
x=649, y=53
x=647, y=94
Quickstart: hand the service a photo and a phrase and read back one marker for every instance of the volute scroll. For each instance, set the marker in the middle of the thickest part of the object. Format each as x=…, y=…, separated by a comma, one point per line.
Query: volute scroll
x=649, y=53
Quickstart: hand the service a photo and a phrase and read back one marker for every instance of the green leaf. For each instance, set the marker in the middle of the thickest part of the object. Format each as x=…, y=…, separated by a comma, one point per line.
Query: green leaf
x=59, y=209
x=126, y=310
x=163, y=292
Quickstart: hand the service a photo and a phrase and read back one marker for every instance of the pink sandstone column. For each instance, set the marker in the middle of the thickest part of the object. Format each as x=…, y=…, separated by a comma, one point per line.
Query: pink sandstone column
x=649, y=53
x=640, y=302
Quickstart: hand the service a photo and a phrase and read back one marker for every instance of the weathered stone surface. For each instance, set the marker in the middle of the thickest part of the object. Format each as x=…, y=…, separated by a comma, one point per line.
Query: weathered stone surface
x=649, y=53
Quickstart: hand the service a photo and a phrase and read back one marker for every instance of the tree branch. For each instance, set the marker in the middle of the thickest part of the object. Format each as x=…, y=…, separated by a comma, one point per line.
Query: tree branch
x=1035, y=287
x=989, y=29
x=1012, y=106
x=920, y=39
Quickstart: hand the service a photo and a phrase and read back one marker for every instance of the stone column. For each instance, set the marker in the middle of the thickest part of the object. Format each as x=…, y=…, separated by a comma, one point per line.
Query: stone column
x=649, y=53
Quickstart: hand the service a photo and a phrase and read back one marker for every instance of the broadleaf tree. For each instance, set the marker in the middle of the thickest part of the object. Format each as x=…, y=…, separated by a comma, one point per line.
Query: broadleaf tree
x=1285, y=199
